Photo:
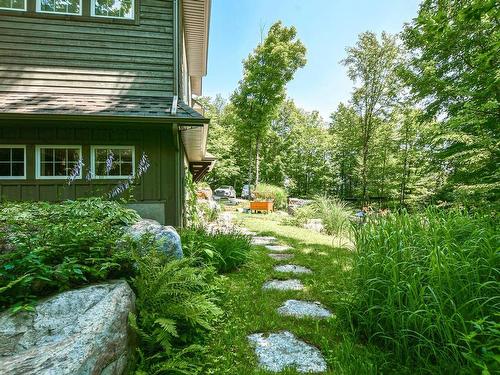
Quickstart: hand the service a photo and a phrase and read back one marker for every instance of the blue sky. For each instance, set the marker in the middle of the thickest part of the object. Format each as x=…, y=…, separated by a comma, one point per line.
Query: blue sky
x=326, y=27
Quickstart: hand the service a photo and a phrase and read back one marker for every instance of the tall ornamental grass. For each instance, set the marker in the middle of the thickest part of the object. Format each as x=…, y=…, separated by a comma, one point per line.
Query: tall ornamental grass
x=428, y=289
x=271, y=192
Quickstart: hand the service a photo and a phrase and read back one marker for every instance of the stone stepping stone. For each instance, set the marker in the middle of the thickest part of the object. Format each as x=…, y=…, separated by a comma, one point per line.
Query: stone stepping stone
x=247, y=232
x=278, y=351
x=292, y=268
x=281, y=256
x=304, y=309
x=278, y=248
x=261, y=241
x=292, y=284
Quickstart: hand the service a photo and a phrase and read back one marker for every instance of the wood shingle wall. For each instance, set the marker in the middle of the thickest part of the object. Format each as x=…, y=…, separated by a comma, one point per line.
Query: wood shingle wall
x=45, y=54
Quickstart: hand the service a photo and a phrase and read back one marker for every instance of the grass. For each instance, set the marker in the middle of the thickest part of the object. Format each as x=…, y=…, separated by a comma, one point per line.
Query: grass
x=249, y=309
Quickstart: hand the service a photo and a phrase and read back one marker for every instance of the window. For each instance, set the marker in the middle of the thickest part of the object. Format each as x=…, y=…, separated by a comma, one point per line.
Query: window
x=59, y=6
x=113, y=8
x=58, y=162
x=13, y=4
x=12, y=162
x=113, y=161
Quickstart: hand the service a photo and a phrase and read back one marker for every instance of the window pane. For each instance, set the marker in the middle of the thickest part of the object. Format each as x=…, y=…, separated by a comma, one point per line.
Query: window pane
x=12, y=4
x=115, y=170
x=17, y=169
x=126, y=169
x=73, y=154
x=47, y=169
x=100, y=169
x=5, y=169
x=126, y=156
x=17, y=154
x=60, y=169
x=4, y=154
x=60, y=154
x=60, y=6
x=47, y=154
x=100, y=154
x=114, y=8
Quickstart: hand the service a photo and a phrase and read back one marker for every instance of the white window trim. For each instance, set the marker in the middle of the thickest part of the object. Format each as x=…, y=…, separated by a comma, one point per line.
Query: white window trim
x=39, y=9
x=25, y=162
x=38, y=160
x=92, y=12
x=18, y=10
x=93, y=161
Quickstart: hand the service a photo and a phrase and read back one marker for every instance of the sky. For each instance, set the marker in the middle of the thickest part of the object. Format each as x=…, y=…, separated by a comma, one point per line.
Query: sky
x=326, y=27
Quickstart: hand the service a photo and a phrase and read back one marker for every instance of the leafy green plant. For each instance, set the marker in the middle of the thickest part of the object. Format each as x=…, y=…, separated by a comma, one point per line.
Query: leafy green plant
x=225, y=251
x=47, y=248
x=271, y=192
x=427, y=288
x=334, y=214
x=176, y=304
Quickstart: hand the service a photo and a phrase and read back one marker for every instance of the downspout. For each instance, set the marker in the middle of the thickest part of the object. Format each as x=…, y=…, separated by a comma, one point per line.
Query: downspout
x=175, y=90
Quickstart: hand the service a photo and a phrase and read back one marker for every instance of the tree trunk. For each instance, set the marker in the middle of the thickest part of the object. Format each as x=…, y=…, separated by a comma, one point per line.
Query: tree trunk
x=250, y=164
x=257, y=160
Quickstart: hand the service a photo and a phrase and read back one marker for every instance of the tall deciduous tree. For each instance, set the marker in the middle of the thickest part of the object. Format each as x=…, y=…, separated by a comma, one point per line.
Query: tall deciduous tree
x=372, y=64
x=267, y=70
x=454, y=72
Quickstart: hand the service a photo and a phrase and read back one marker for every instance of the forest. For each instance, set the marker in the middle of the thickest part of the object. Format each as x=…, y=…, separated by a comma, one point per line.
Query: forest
x=421, y=126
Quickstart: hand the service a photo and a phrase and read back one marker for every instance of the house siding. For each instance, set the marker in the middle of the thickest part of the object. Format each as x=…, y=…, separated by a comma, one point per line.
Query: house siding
x=159, y=185
x=44, y=54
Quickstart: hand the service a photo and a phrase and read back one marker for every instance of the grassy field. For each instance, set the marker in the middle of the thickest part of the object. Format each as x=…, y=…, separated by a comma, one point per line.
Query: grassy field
x=249, y=309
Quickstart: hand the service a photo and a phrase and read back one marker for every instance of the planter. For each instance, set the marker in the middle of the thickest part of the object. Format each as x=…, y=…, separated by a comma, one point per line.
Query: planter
x=261, y=206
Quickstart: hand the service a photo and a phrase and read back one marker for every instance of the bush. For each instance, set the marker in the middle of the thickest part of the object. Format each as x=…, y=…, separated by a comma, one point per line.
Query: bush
x=334, y=214
x=271, y=192
x=47, y=248
x=224, y=251
x=176, y=304
x=427, y=288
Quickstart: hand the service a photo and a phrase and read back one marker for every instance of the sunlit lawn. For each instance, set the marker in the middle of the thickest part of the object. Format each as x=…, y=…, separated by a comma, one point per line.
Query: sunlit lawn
x=249, y=309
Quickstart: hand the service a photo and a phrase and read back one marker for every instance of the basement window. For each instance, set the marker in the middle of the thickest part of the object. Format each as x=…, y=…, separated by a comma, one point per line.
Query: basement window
x=123, y=9
x=112, y=162
x=59, y=6
x=13, y=4
x=12, y=162
x=58, y=162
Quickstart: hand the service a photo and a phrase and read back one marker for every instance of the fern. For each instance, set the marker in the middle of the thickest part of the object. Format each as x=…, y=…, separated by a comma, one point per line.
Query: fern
x=176, y=301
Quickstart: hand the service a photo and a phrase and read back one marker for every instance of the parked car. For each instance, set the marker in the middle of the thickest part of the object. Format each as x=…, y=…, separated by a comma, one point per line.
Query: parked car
x=245, y=191
x=225, y=192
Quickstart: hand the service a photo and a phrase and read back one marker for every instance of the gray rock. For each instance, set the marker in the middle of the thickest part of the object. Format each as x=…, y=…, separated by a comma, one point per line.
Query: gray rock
x=281, y=350
x=281, y=256
x=292, y=268
x=304, y=309
x=168, y=239
x=278, y=248
x=292, y=284
x=80, y=332
x=315, y=225
x=261, y=241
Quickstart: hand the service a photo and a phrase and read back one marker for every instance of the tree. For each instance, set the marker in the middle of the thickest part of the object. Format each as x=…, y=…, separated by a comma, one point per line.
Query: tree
x=453, y=72
x=267, y=70
x=372, y=64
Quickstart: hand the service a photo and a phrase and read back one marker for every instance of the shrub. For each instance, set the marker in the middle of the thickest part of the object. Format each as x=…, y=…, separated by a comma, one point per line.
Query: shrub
x=176, y=304
x=334, y=214
x=47, y=248
x=224, y=251
x=427, y=288
x=271, y=192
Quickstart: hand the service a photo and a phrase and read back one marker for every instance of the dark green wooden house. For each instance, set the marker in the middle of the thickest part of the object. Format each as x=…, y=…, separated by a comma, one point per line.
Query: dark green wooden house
x=91, y=89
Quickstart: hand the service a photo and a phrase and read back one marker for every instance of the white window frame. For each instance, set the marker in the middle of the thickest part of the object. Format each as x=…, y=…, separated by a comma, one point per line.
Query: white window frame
x=38, y=161
x=39, y=9
x=93, y=161
x=92, y=12
x=25, y=162
x=18, y=10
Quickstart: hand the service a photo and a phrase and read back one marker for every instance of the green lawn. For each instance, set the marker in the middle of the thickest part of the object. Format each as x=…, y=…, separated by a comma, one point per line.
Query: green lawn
x=249, y=309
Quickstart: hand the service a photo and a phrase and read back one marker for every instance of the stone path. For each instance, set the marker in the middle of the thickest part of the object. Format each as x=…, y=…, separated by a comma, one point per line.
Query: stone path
x=277, y=351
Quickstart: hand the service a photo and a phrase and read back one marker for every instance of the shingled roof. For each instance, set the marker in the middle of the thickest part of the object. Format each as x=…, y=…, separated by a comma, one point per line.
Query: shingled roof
x=95, y=105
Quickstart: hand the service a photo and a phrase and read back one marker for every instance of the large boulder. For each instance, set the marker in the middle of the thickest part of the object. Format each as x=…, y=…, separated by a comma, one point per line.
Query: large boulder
x=83, y=331
x=167, y=237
